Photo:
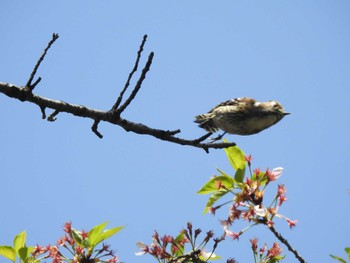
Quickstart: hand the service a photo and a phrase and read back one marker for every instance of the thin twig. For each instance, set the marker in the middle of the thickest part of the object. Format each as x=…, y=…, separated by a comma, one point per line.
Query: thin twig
x=204, y=137
x=94, y=129
x=43, y=114
x=29, y=82
x=32, y=86
x=52, y=116
x=286, y=243
x=137, y=86
x=119, y=100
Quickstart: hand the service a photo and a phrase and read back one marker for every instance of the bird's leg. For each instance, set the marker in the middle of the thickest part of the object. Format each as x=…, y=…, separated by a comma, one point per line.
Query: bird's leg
x=217, y=138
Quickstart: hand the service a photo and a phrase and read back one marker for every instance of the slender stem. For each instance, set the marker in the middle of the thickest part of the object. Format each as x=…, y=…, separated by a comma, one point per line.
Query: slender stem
x=286, y=243
x=119, y=100
x=138, y=85
x=29, y=82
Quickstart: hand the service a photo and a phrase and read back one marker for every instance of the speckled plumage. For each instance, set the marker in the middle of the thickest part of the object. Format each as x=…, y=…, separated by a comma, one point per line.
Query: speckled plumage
x=242, y=116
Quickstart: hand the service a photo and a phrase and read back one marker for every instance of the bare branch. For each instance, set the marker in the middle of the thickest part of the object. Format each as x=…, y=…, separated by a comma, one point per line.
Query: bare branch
x=112, y=116
x=138, y=85
x=29, y=82
x=24, y=94
x=119, y=100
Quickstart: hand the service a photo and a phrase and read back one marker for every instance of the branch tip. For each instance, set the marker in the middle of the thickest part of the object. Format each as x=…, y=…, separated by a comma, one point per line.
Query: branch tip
x=52, y=116
x=94, y=129
x=204, y=137
x=32, y=75
x=137, y=86
x=32, y=86
x=172, y=133
x=121, y=94
x=43, y=114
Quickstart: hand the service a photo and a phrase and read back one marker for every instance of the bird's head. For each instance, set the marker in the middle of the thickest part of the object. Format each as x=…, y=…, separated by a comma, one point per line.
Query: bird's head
x=275, y=107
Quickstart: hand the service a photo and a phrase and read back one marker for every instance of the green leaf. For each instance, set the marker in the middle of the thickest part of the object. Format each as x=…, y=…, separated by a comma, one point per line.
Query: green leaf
x=239, y=176
x=25, y=252
x=19, y=241
x=213, y=198
x=338, y=258
x=77, y=236
x=107, y=234
x=178, y=245
x=236, y=157
x=96, y=231
x=347, y=250
x=223, y=173
x=86, y=243
x=226, y=182
x=8, y=252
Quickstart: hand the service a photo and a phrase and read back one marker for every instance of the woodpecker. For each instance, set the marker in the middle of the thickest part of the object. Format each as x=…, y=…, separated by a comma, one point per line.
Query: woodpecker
x=241, y=116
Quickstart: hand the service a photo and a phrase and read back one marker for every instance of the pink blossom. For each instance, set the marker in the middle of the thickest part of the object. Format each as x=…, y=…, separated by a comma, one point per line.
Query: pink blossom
x=232, y=234
x=274, y=174
x=281, y=199
x=281, y=190
x=291, y=223
x=274, y=251
x=248, y=159
x=254, y=242
x=143, y=247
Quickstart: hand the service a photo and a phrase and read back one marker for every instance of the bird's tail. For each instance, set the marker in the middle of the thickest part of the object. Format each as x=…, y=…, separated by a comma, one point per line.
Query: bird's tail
x=206, y=122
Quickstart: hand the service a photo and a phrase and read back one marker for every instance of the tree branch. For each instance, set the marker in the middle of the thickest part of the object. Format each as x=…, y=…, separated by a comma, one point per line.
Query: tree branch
x=29, y=82
x=138, y=85
x=119, y=100
x=286, y=243
x=283, y=240
x=112, y=116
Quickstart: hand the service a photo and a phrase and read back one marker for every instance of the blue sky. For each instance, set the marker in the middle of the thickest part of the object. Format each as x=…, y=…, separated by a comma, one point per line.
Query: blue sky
x=296, y=52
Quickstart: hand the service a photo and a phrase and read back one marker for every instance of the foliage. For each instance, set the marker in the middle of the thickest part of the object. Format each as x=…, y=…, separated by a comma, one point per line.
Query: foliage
x=265, y=255
x=80, y=245
x=248, y=193
x=19, y=252
x=246, y=203
x=347, y=251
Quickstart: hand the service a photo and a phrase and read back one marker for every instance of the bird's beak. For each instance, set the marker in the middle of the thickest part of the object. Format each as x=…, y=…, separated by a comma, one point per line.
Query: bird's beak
x=286, y=113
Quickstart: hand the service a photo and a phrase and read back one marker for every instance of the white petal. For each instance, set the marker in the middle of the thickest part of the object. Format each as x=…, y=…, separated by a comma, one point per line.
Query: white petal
x=141, y=245
x=277, y=171
x=259, y=211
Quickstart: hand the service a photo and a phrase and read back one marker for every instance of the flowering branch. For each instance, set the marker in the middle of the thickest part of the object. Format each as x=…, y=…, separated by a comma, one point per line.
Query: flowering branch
x=169, y=249
x=113, y=116
x=248, y=193
x=82, y=247
x=286, y=243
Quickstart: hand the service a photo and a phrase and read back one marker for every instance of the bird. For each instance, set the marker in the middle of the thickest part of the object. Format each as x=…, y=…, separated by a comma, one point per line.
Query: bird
x=241, y=116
